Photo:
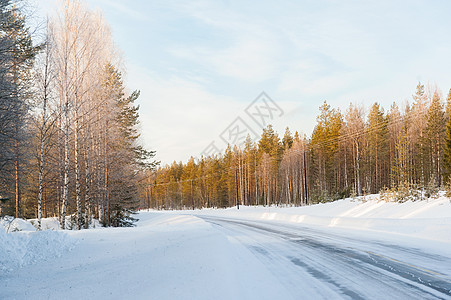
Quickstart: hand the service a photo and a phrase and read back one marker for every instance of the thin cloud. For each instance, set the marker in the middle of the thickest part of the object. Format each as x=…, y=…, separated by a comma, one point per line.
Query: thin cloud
x=124, y=9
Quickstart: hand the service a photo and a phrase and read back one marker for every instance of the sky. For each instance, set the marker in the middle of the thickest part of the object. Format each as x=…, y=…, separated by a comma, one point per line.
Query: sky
x=202, y=65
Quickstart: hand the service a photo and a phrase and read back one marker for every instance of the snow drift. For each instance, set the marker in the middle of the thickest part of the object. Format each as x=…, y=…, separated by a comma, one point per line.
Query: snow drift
x=23, y=245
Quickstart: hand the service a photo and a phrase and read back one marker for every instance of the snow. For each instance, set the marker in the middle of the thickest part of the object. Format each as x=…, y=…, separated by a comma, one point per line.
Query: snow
x=165, y=257
x=22, y=248
x=12, y=225
x=430, y=220
x=183, y=255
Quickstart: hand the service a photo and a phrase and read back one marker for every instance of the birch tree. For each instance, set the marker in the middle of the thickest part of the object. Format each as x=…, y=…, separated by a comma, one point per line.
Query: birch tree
x=44, y=78
x=83, y=50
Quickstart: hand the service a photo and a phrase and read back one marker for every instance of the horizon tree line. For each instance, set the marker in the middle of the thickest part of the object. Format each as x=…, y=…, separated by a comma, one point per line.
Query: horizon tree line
x=350, y=153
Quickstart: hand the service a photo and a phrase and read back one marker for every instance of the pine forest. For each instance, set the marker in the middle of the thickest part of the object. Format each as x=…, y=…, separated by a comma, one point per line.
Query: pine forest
x=402, y=152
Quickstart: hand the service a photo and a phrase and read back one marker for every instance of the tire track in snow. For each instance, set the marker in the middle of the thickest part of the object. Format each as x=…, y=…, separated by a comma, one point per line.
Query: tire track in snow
x=328, y=258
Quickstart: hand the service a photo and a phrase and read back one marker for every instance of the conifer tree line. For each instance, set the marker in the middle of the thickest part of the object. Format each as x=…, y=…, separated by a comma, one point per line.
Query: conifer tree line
x=68, y=128
x=398, y=150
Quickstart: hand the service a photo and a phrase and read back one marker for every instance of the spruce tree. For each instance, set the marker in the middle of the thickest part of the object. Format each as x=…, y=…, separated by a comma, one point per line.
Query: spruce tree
x=128, y=155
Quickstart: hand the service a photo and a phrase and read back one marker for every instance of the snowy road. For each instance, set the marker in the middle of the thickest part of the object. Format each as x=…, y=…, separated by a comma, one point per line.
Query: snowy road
x=224, y=254
x=324, y=265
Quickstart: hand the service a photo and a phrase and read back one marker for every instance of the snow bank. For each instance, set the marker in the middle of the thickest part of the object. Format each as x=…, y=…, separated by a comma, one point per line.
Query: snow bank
x=23, y=245
x=10, y=224
x=429, y=219
x=165, y=257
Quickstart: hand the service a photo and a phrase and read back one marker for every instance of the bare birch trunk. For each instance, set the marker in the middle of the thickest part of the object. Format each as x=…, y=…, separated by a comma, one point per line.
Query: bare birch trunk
x=77, y=168
x=16, y=174
x=66, y=165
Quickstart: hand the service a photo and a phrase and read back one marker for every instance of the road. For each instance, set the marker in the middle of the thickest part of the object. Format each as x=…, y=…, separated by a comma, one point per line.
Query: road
x=312, y=262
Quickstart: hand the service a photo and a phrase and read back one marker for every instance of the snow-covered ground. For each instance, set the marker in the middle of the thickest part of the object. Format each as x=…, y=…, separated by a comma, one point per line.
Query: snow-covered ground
x=417, y=223
x=343, y=249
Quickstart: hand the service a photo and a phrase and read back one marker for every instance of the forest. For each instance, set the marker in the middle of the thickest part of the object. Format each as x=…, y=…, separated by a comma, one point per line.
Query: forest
x=68, y=126
x=403, y=153
x=70, y=140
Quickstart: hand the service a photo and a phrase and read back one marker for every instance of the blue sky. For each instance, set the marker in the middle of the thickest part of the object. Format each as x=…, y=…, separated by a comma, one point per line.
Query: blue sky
x=199, y=64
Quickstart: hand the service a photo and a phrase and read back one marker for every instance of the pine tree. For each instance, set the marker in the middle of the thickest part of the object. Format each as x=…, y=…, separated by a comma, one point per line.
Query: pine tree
x=17, y=55
x=355, y=127
x=395, y=126
x=400, y=165
x=448, y=105
x=287, y=140
x=270, y=145
x=188, y=186
x=447, y=153
x=377, y=133
x=325, y=146
x=416, y=122
x=435, y=136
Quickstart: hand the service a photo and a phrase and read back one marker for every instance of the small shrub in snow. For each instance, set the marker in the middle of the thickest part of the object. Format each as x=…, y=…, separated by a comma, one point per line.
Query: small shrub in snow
x=386, y=194
x=353, y=195
x=432, y=189
x=122, y=217
x=448, y=189
x=403, y=193
x=321, y=197
x=344, y=193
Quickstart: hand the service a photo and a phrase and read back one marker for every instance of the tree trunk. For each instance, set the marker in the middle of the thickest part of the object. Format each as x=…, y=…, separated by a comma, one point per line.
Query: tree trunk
x=17, y=175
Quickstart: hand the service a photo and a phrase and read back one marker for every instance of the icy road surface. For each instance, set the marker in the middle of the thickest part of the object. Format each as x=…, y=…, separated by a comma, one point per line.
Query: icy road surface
x=329, y=266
